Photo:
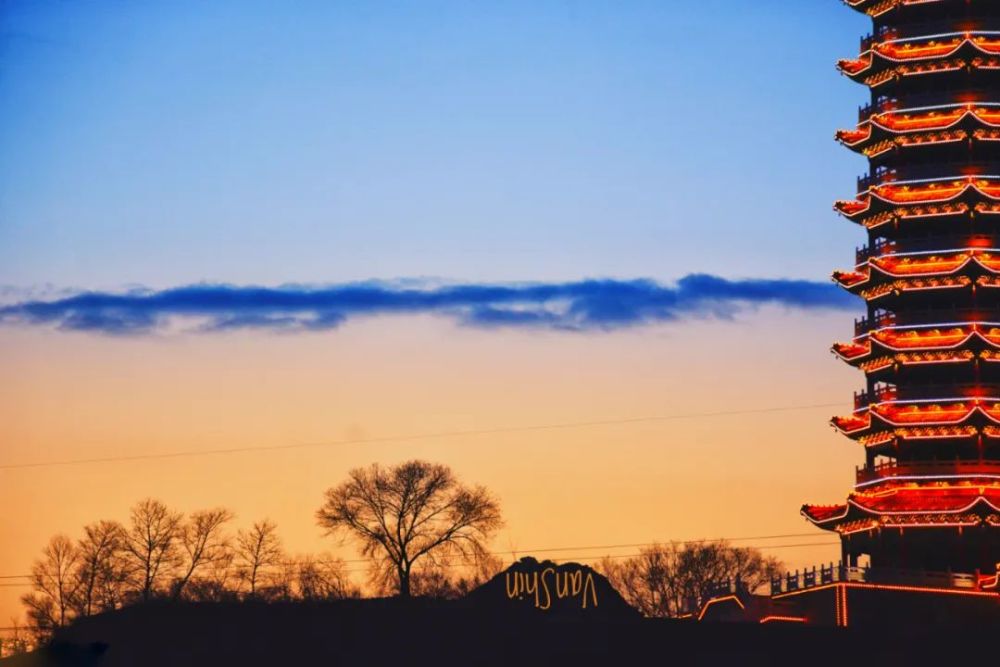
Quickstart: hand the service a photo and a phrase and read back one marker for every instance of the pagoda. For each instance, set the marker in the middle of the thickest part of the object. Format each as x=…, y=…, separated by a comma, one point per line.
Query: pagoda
x=920, y=531
x=928, y=496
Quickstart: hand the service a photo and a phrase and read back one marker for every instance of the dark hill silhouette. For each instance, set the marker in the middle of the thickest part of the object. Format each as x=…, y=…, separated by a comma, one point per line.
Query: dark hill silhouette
x=545, y=588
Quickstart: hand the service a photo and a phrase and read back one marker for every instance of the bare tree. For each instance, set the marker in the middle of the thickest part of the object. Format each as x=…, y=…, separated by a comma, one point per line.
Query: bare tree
x=404, y=513
x=323, y=578
x=441, y=580
x=750, y=567
x=702, y=566
x=257, y=550
x=100, y=568
x=217, y=581
x=648, y=581
x=151, y=546
x=54, y=583
x=203, y=544
x=673, y=579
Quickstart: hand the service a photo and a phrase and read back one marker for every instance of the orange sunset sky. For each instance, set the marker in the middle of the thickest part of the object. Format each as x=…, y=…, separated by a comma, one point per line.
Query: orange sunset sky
x=71, y=396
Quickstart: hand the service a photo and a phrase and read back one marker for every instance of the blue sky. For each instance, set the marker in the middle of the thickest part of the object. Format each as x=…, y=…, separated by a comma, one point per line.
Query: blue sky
x=273, y=142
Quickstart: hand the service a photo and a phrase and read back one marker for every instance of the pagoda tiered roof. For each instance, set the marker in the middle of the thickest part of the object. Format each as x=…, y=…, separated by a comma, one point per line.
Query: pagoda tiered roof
x=933, y=504
x=920, y=338
x=886, y=416
x=881, y=364
x=931, y=54
x=924, y=198
x=925, y=270
x=923, y=126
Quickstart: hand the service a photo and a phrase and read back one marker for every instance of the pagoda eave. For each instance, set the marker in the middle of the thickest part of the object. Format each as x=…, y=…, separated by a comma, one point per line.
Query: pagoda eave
x=919, y=55
x=879, y=8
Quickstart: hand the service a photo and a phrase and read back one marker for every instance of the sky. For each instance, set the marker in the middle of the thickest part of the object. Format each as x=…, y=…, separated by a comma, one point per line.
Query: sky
x=445, y=216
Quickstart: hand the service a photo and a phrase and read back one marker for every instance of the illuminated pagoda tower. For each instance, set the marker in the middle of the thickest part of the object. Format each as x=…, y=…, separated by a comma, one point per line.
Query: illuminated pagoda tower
x=928, y=496
x=920, y=532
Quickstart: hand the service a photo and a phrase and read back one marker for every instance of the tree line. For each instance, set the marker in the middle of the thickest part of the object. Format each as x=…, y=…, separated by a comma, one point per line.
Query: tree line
x=420, y=530
x=161, y=554
x=670, y=580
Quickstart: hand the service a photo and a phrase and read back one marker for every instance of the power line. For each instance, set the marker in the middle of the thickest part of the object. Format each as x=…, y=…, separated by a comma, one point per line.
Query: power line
x=529, y=552
x=409, y=438
x=630, y=555
x=649, y=544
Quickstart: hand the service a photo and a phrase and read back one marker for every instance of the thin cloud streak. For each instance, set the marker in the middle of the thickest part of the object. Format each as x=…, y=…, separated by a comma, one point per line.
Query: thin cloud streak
x=586, y=305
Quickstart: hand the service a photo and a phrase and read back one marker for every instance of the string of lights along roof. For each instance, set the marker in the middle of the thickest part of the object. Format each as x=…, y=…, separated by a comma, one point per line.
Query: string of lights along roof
x=924, y=513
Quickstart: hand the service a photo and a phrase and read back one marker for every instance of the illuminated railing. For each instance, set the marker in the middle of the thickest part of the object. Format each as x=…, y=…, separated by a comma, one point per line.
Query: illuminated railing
x=878, y=106
x=922, y=392
x=937, y=97
x=863, y=398
x=883, y=176
x=864, y=324
x=884, y=33
x=877, y=249
x=825, y=575
x=894, y=469
x=927, y=317
x=878, y=178
x=883, y=246
x=899, y=31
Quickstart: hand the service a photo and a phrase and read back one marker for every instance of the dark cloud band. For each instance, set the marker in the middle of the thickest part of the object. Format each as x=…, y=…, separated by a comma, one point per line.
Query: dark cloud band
x=585, y=305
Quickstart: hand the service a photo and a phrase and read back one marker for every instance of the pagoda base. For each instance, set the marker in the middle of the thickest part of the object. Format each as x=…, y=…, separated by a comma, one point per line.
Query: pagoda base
x=860, y=604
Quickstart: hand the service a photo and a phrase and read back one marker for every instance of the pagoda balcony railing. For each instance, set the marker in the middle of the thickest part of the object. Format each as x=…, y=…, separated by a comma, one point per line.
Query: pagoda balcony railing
x=940, y=242
x=925, y=317
x=825, y=575
x=878, y=178
x=940, y=96
x=883, y=246
x=927, y=391
x=878, y=106
x=893, y=469
x=885, y=175
x=881, y=35
x=865, y=324
x=909, y=31
x=934, y=316
x=863, y=398
x=877, y=249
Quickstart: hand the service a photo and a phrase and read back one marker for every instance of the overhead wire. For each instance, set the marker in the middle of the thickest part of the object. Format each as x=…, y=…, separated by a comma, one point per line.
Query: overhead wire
x=405, y=438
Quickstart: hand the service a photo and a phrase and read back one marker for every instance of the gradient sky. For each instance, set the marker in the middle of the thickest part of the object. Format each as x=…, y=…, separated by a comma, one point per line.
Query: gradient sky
x=267, y=143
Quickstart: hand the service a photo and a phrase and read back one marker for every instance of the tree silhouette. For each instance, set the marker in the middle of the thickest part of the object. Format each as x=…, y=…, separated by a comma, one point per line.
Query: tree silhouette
x=203, y=543
x=54, y=582
x=257, y=550
x=321, y=577
x=151, y=545
x=442, y=582
x=101, y=571
x=674, y=579
x=409, y=512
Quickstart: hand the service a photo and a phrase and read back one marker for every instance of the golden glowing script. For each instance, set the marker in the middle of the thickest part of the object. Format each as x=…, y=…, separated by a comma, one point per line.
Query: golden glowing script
x=541, y=586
